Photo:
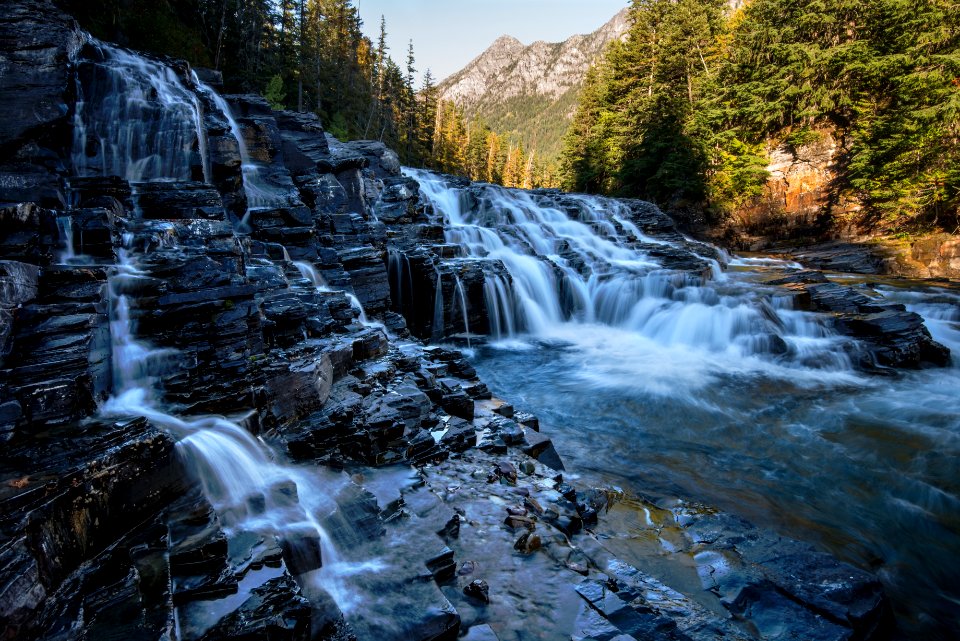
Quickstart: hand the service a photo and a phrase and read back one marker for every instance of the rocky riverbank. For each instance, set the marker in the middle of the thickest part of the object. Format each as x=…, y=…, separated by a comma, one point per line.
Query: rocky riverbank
x=283, y=282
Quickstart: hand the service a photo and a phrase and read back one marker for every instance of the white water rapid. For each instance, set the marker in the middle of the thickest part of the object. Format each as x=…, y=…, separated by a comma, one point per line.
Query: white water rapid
x=586, y=273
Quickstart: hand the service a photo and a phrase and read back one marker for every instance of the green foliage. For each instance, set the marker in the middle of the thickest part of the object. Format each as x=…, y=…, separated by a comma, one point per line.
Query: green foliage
x=631, y=132
x=338, y=127
x=803, y=136
x=167, y=28
x=274, y=93
x=683, y=109
x=474, y=150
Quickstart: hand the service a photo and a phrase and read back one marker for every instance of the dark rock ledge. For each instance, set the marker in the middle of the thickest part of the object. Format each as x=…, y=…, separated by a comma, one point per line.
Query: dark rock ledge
x=103, y=534
x=887, y=335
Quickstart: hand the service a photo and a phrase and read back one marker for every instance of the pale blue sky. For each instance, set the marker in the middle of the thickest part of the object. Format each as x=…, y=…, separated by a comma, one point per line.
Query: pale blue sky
x=447, y=34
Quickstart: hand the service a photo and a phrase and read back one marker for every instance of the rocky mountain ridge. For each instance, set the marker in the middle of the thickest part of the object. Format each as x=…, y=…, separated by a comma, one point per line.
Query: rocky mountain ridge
x=530, y=89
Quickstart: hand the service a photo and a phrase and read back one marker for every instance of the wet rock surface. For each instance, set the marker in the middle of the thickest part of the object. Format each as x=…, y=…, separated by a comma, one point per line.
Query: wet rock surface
x=36, y=45
x=924, y=256
x=842, y=257
x=66, y=496
x=286, y=301
x=888, y=335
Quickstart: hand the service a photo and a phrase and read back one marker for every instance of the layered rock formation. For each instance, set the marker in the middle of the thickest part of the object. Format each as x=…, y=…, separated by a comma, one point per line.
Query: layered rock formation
x=799, y=195
x=269, y=286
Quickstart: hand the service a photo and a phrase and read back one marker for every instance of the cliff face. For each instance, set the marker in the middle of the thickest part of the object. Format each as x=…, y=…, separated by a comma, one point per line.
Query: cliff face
x=799, y=195
x=530, y=89
x=804, y=203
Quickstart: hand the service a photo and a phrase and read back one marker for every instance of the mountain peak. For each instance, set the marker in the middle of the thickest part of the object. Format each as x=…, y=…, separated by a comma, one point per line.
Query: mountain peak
x=509, y=78
x=506, y=41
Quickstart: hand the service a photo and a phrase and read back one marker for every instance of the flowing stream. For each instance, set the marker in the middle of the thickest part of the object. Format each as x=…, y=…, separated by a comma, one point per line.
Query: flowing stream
x=137, y=120
x=672, y=386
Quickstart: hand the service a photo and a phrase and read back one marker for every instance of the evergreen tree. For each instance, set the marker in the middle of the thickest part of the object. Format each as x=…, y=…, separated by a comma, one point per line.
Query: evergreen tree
x=684, y=108
x=274, y=92
x=427, y=99
x=410, y=138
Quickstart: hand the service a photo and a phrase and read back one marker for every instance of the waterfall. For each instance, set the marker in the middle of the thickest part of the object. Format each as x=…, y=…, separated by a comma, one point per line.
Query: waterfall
x=65, y=228
x=231, y=465
x=401, y=279
x=355, y=303
x=135, y=118
x=438, y=319
x=458, y=289
x=310, y=273
x=551, y=261
x=498, y=298
x=259, y=193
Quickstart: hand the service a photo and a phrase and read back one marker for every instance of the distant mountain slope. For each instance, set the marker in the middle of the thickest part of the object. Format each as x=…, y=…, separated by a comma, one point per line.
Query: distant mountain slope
x=530, y=90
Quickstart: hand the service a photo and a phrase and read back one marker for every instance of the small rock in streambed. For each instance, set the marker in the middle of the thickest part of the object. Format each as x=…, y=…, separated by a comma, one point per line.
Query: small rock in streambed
x=528, y=542
x=533, y=505
x=519, y=521
x=506, y=471
x=479, y=590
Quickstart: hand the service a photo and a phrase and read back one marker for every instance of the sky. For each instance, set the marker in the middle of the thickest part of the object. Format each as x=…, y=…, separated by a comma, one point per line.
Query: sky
x=447, y=34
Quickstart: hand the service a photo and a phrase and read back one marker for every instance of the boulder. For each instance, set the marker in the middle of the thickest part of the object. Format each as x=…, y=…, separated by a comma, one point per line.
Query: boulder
x=276, y=610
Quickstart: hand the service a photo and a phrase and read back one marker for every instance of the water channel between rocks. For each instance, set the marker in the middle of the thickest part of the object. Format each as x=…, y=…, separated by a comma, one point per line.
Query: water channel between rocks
x=864, y=467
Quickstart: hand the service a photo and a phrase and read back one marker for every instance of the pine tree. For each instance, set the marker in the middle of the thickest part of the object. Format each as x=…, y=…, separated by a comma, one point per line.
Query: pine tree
x=427, y=99
x=409, y=111
x=274, y=92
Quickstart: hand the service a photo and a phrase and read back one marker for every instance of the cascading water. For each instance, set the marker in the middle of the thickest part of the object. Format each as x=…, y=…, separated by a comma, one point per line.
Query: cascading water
x=398, y=270
x=310, y=273
x=231, y=465
x=65, y=228
x=135, y=118
x=593, y=266
x=259, y=194
x=717, y=387
x=458, y=290
x=438, y=319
